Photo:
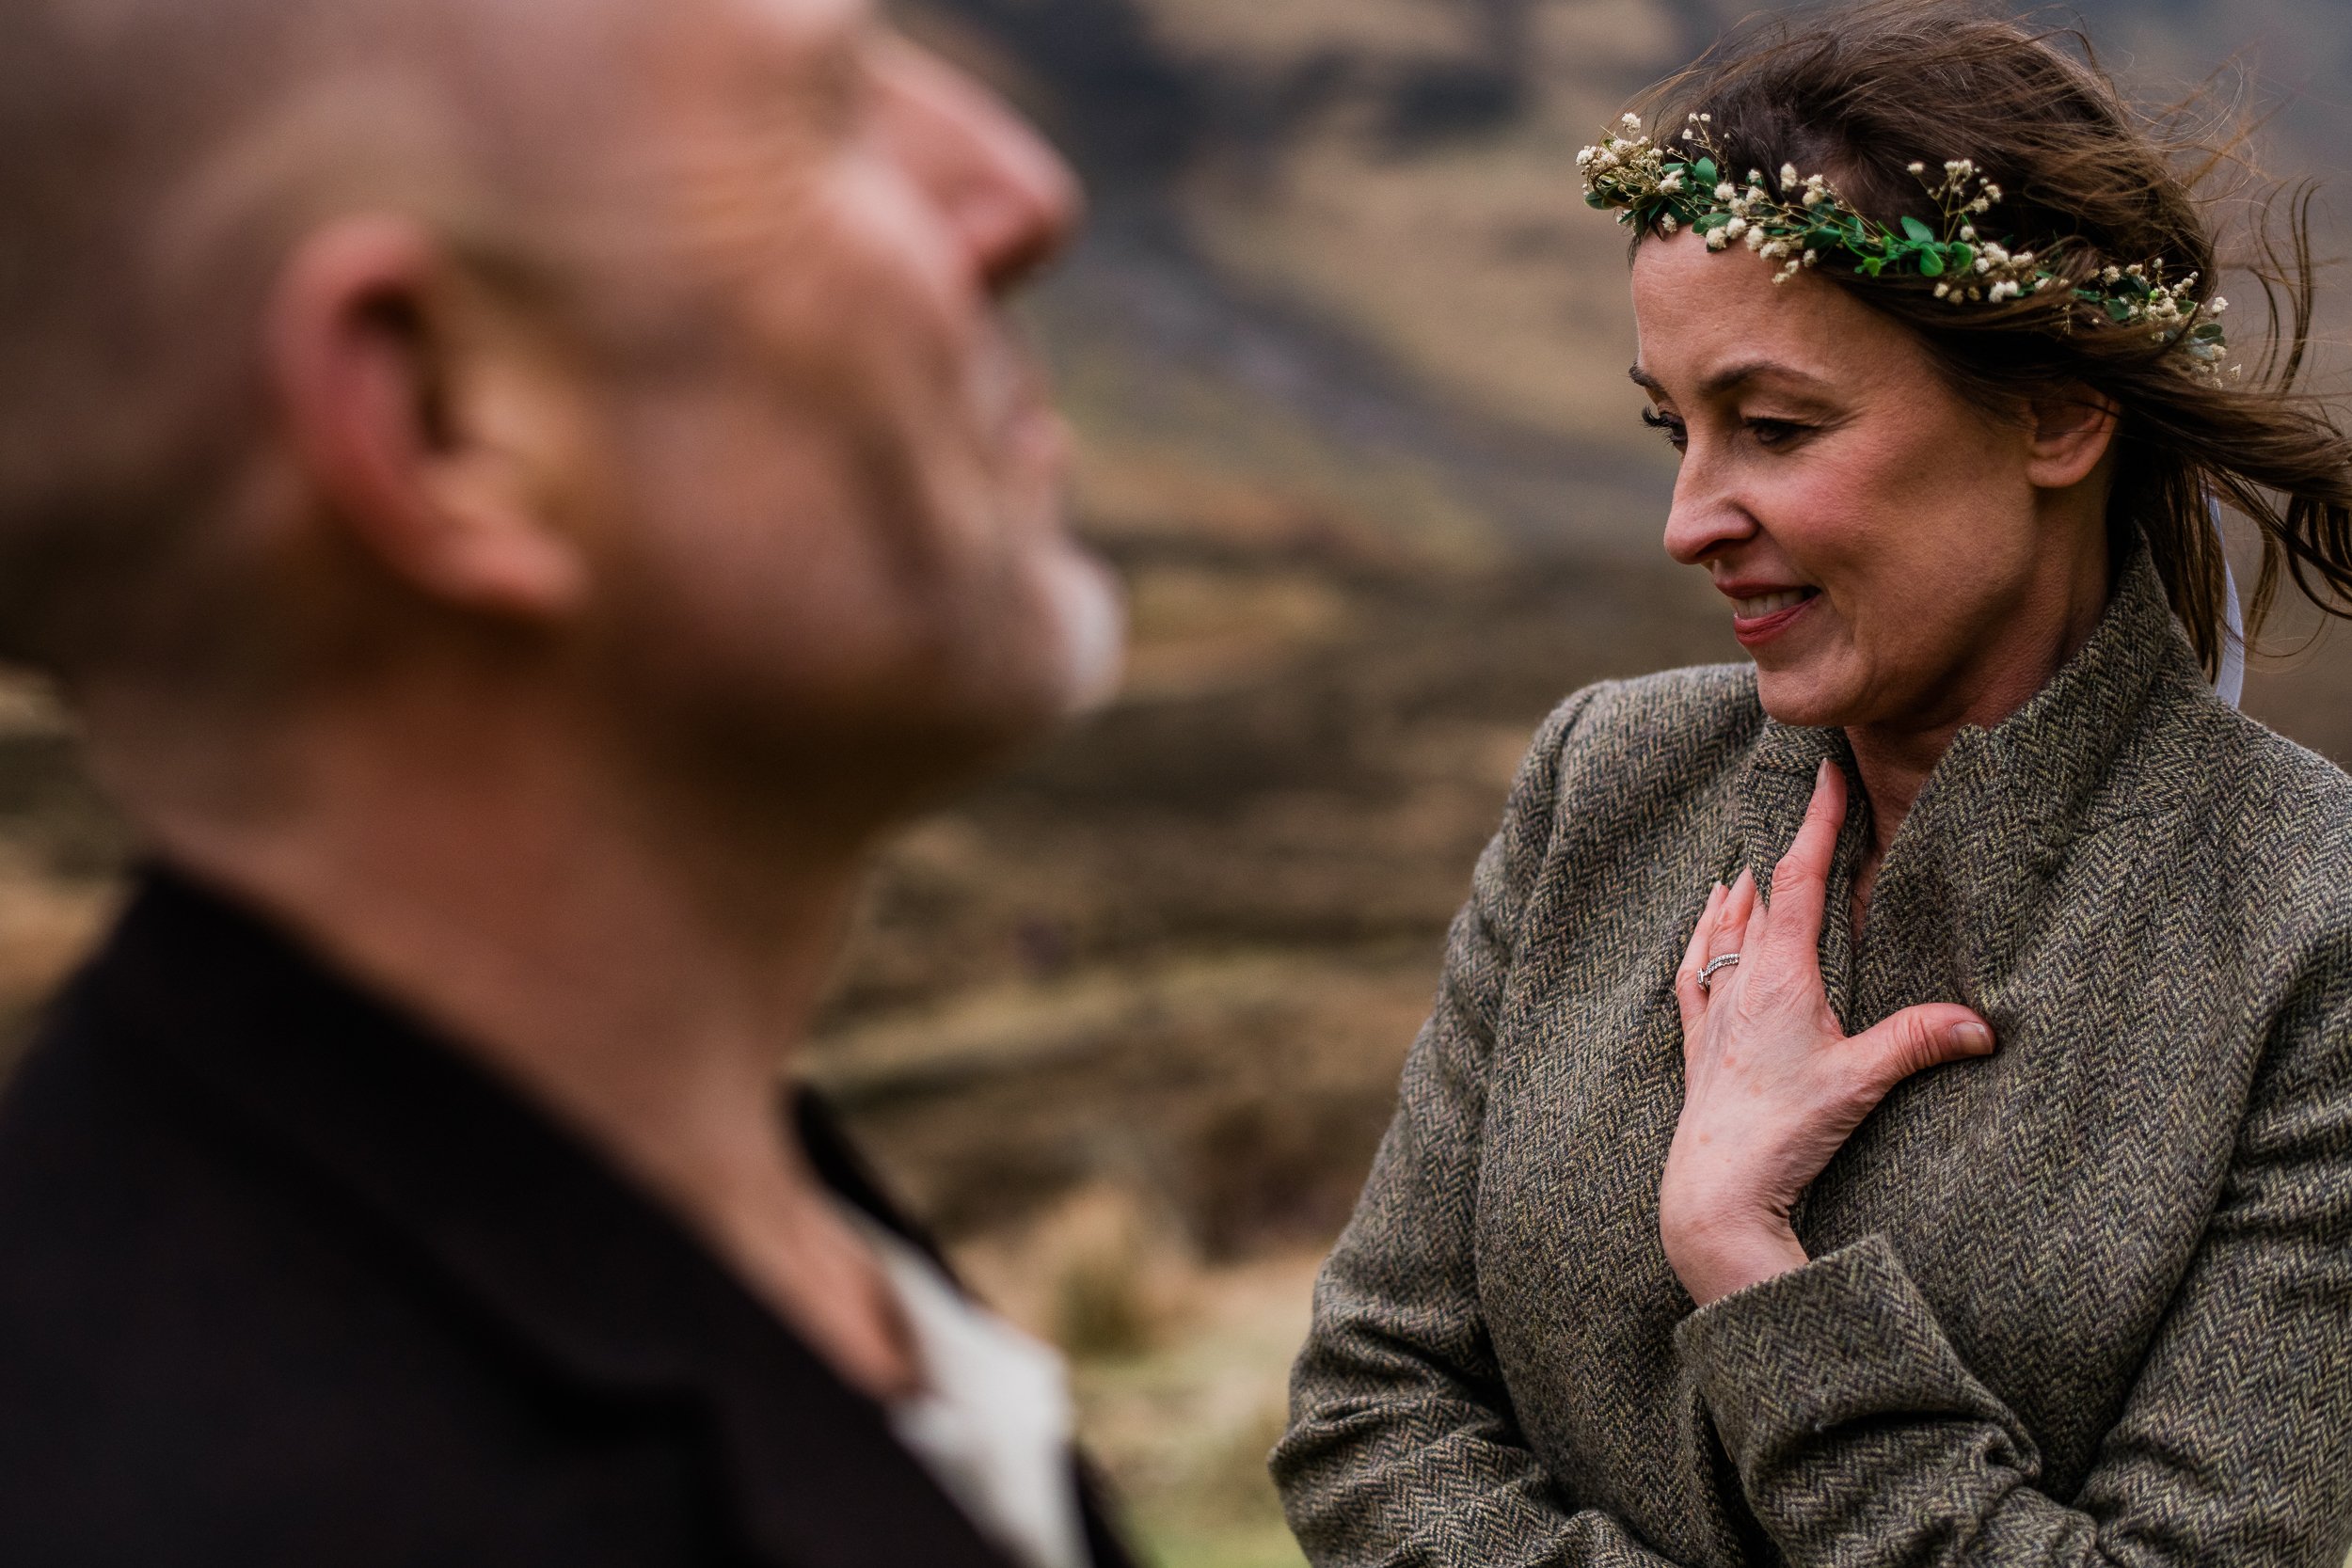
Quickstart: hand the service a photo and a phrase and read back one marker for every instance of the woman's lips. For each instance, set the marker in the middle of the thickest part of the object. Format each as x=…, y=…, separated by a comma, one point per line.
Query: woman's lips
x=1760, y=618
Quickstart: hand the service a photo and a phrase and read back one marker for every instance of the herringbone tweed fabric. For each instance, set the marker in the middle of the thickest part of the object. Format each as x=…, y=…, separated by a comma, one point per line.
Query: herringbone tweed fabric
x=2086, y=1301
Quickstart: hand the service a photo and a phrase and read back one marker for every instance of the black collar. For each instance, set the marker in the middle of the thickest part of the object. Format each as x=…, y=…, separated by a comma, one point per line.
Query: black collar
x=584, y=1276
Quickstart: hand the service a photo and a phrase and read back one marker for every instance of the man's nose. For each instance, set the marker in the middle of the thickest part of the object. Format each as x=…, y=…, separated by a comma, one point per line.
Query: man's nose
x=1003, y=188
x=1705, y=516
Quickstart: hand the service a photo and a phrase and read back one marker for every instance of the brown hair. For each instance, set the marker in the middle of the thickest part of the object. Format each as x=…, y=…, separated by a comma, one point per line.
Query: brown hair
x=1859, y=93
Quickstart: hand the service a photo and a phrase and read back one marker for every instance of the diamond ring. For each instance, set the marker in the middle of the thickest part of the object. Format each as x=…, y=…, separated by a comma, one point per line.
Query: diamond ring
x=1706, y=975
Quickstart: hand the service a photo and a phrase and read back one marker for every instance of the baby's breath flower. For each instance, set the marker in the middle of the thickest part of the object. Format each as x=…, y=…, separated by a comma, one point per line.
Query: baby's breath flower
x=1631, y=122
x=1733, y=230
x=1725, y=192
x=1717, y=240
x=1787, y=176
x=1920, y=169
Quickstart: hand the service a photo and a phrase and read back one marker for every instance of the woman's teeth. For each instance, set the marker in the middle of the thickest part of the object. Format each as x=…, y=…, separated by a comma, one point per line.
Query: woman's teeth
x=1770, y=604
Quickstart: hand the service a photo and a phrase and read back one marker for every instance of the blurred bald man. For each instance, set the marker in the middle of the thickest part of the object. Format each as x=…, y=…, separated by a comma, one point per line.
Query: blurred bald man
x=520, y=493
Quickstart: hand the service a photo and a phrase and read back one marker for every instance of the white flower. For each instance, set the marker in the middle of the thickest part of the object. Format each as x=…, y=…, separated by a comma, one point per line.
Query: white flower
x=1992, y=191
x=1689, y=134
x=1716, y=240
x=1587, y=156
x=2217, y=306
x=1669, y=224
x=1606, y=159
x=1813, y=196
x=1774, y=250
x=1787, y=176
x=1811, y=256
x=1968, y=231
x=1724, y=191
x=1756, y=177
x=1633, y=123
x=1984, y=265
x=1756, y=239
x=1706, y=119
x=1979, y=205
x=1943, y=291
x=1733, y=230
x=1672, y=182
x=1920, y=169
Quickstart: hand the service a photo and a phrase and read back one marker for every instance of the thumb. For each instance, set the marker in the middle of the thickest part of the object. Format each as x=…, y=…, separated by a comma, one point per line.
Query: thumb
x=1920, y=1038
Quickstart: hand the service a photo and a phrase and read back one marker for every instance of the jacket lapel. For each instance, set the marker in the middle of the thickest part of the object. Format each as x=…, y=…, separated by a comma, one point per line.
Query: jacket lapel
x=578, y=1270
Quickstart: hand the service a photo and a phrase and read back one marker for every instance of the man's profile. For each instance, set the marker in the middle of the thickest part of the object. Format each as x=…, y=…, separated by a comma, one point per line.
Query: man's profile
x=521, y=495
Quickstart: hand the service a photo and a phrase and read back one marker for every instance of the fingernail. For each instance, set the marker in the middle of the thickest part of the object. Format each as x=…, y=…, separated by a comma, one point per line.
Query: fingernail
x=1973, y=1037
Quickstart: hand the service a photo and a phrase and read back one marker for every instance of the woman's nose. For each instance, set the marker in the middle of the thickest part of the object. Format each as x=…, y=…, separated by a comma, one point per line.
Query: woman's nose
x=1704, y=517
x=1005, y=191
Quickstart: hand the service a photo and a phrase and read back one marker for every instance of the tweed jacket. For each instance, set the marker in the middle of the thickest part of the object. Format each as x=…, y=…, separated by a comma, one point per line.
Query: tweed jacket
x=2086, y=1301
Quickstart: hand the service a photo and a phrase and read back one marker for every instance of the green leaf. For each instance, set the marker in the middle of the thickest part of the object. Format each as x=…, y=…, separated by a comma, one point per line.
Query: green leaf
x=1712, y=221
x=1872, y=264
x=1962, y=257
x=1931, y=263
x=1594, y=198
x=1704, y=170
x=1918, y=231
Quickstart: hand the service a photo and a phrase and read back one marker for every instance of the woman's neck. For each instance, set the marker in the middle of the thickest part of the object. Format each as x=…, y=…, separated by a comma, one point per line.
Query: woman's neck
x=1894, y=760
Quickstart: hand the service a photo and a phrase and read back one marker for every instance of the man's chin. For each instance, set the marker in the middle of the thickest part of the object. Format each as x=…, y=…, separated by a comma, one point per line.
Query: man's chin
x=1092, y=616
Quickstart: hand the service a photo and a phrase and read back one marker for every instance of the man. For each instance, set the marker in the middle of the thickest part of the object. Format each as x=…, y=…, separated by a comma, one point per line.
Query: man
x=521, y=493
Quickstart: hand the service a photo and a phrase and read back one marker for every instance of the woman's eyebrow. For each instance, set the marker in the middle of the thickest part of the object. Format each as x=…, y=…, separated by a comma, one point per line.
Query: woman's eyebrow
x=1733, y=377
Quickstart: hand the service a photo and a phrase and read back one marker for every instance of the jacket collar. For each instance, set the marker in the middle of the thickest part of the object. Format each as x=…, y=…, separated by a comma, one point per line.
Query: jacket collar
x=2002, y=806
x=578, y=1272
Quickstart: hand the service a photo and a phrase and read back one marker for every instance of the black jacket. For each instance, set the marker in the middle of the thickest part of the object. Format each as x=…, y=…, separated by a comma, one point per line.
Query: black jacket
x=286, y=1280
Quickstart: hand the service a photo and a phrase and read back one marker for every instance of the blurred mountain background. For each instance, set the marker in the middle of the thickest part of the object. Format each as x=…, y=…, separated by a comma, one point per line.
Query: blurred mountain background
x=1345, y=356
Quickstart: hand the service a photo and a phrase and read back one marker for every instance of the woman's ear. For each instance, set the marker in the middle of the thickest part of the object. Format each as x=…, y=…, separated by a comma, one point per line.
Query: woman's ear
x=430, y=430
x=2070, y=433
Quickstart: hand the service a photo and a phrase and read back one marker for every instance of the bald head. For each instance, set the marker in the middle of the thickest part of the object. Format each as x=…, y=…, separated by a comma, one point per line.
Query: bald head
x=157, y=158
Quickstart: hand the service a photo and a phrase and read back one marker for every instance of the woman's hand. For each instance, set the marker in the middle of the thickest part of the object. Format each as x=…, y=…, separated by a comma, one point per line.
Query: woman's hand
x=1773, y=1086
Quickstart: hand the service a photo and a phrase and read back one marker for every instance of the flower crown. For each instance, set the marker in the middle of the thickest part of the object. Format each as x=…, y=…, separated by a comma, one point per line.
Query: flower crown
x=1806, y=220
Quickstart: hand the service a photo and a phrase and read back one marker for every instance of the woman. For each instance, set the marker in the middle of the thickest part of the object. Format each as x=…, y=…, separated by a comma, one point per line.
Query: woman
x=1986, y=1195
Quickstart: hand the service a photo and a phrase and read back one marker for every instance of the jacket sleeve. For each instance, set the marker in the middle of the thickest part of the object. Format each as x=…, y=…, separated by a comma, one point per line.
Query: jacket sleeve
x=1860, y=1438
x=1402, y=1447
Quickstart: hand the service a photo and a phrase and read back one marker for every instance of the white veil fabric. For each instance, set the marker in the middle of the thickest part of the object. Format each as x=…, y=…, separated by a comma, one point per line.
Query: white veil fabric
x=2231, y=685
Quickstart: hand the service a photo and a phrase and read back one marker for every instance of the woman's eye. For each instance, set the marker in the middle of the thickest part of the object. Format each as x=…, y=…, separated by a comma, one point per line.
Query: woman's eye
x=1667, y=422
x=1776, y=433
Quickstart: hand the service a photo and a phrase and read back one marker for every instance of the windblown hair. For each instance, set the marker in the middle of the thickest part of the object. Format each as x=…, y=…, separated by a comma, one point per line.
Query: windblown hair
x=1862, y=93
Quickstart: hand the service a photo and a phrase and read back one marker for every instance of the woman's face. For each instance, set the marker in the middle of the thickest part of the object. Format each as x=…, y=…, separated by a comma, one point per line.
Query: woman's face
x=1893, y=557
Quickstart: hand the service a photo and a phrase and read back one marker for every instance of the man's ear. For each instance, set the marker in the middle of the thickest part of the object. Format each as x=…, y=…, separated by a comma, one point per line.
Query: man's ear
x=432, y=438
x=2070, y=433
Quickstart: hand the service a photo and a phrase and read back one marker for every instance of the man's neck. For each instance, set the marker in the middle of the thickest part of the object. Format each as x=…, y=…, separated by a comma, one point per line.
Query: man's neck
x=634, y=968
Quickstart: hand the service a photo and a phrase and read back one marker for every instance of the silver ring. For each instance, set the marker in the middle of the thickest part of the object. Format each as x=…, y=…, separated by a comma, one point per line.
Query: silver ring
x=1706, y=975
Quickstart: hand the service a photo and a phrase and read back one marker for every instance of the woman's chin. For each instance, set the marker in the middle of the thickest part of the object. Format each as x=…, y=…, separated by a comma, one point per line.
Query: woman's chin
x=1806, y=697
